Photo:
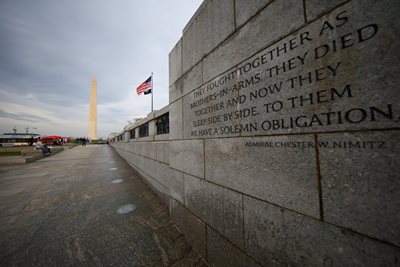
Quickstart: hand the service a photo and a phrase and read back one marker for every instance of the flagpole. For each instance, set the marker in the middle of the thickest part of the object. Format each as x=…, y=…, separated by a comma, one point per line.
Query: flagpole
x=152, y=92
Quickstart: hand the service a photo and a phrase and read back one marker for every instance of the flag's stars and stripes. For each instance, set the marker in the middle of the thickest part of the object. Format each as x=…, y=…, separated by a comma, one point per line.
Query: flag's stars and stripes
x=145, y=87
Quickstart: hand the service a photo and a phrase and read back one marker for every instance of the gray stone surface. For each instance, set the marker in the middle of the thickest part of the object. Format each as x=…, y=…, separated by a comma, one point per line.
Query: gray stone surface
x=175, y=120
x=152, y=128
x=139, y=148
x=204, y=109
x=175, y=63
x=157, y=187
x=279, y=237
x=149, y=138
x=136, y=134
x=174, y=182
x=150, y=149
x=150, y=170
x=166, y=153
x=266, y=169
x=246, y=9
x=360, y=182
x=217, y=206
x=353, y=88
x=189, y=81
x=191, y=226
x=265, y=29
x=12, y=160
x=316, y=8
x=29, y=154
x=161, y=137
x=187, y=156
x=160, y=151
x=67, y=214
x=221, y=252
x=212, y=25
x=127, y=136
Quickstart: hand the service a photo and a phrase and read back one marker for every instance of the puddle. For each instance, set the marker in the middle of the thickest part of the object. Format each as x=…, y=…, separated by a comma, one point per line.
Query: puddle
x=117, y=181
x=126, y=209
x=113, y=169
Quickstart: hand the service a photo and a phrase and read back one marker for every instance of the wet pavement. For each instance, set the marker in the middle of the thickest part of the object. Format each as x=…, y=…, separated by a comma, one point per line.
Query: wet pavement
x=85, y=207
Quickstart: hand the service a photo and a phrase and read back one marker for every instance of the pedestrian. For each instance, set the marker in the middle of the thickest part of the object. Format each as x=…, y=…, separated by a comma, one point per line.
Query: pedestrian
x=39, y=145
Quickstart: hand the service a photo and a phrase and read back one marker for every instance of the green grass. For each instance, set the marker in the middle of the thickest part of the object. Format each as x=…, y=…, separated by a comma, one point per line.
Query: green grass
x=8, y=154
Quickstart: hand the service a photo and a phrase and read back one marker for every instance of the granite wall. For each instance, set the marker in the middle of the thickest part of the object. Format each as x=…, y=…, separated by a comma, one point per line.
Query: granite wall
x=149, y=156
x=284, y=133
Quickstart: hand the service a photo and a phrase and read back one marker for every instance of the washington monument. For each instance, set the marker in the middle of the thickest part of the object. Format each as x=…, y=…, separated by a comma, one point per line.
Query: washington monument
x=92, y=129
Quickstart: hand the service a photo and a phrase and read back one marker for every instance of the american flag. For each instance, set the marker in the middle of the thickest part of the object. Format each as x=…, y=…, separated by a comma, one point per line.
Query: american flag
x=145, y=87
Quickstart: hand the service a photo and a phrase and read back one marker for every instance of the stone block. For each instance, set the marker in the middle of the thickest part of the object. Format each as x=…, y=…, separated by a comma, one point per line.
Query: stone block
x=152, y=127
x=219, y=207
x=149, y=167
x=146, y=165
x=189, y=81
x=175, y=62
x=136, y=148
x=171, y=179
x=142, y=148
x=12, y=160
x=146, y=138
x=280, y=169
x=316, y=8
x=221, y=252
x=360, y=182
x=191, y=226
x=213, y=24
x=158, y=188
x=161, y=137
x=127, y=136
x=159, y=151
x=134, y=160
x=246, y=9
x=144, y=151
x=139, y=162
x=278, y=237
x=302, y=84
x=166, y=153
x=131, y=146
x=159, y=172
x=205, y=107
x=187, y=156
x=150, y=148
x=264, y=29
x=161, y=191
x=175, y=120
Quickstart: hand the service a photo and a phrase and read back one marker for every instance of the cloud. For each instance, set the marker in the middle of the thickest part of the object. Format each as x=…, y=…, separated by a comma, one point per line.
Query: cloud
x=50, y=50
x=20, y=117
x=24, y=112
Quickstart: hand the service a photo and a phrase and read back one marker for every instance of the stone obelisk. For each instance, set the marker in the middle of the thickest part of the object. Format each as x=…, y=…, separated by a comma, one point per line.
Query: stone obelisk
x=92, y=129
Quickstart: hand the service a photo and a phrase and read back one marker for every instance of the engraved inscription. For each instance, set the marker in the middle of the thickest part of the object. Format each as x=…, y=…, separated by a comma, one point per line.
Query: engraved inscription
x=315, y=80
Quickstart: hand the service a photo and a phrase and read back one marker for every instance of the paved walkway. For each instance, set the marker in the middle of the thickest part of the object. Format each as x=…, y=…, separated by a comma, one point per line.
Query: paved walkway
x=85, y=207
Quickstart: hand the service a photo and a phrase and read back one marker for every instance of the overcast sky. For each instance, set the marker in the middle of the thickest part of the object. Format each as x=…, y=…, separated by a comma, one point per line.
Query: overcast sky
x=51, y=49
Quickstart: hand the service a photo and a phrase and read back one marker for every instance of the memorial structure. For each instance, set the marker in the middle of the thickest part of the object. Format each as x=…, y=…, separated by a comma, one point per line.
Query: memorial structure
x=92, y=123
x=283, y=141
